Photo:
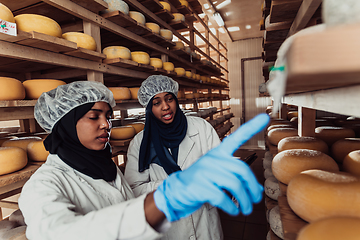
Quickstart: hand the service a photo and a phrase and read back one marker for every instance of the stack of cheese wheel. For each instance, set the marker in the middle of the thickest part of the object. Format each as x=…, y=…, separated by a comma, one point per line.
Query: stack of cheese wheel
x=6, y=14
x=268, y=109
x=267, y=162
x=120, y=93
x=297, y=142
x=343, y=147
x=289, y=163
x=4, y=139
x=155, y=28
x=168, y=66
x=332, y=134
x=292, y=114
x=38, y=23
x=333, y=228
x=138, y=17
x=351, y=163
x=134, y=92
x=112, y=52
x=35, y=87
x=275, y=222
x=272, y=188
x=139, y=126
x=156, y=62
x=82, y=40
x=178, y=17
x=166, y=6
x=12, y=159
x=285, y=125
x=317, y=194
x=203, y=78
x=167, y=34
x=11, y=89
x=140, y=57
x=178, y=45
x=180, y=71
x=276, y=134
x=36, y=151
x=117, y=5
x=20, y=142
x=294, y=120
x=122, y=132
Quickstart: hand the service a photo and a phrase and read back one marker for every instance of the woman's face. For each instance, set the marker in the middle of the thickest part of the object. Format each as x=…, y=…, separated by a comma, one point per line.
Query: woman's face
x=164, y=107
x=93, y=129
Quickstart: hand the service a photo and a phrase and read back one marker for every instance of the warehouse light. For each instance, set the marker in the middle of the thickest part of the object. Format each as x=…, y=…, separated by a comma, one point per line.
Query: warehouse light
x=219, y=19
x=228, y=14
x=223, y=4
x=248, y=26
x=233, y=29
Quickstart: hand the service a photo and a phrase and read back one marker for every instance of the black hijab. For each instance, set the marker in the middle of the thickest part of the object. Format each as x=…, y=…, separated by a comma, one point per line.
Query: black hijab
x=64, y=141
x=160, y=137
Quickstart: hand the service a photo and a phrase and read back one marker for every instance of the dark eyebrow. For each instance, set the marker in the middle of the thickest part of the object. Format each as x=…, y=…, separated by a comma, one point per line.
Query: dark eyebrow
x=164, y=96
x=99, y=110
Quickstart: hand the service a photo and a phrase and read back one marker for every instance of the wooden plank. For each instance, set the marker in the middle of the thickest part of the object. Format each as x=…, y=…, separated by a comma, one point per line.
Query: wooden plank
x=18, y=176
x=17, y=103
x=92, y=5
x=86, y=54
x=21, y=35
x=15, y=5
x=179, y=25
x=284, y=10
x=164, y=15
x=120, y=143
x=306, y=122
x=152, y=5
x=121, y=62
x=15, y=113
x=184, y=10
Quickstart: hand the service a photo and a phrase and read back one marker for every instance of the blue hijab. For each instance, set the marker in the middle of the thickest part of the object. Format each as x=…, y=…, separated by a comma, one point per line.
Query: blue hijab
x=159, y=137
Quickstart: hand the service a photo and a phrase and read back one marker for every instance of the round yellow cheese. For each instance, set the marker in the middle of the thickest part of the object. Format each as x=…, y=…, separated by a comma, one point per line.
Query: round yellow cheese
x=81, y=39
x=292, y=114
x=179, y=45
x=351, y=163
x=134, y=92
x=12, y=159
x=331, y=134
x=319, y=194
x=38, y=23
x=122, y=132
x=165, y=5
x=197, y=76
x=155, y=28
x=184, y=3
x=297, y=142
x=4, y=139
x=180, y=71
x=167, y=34
x=276, y=134
x=285, y=125
x=36, y=151
x=117, y=5
x=168, y=66
x=140, y=57
x=156, y=62
x=343, y=147
x=21, y=142
x=138, y=17
x=112, y=52
x=287, y=164
x=203, y=78
x=178, y=17
x=120, y=93
x=11, y=89
x=35, y=87
x=139, y=126
x=6, y=14
x=188, y=74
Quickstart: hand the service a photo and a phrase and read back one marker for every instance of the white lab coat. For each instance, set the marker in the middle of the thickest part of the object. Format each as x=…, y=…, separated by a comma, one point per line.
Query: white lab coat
x=59, y=202
x=200, y=137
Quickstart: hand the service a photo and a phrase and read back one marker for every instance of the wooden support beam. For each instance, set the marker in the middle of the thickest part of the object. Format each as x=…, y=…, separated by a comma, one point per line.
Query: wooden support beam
x=306, y=122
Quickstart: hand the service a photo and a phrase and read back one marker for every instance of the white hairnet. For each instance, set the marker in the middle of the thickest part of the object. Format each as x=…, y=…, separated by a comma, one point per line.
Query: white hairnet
x=53, y=105
x=156, y=84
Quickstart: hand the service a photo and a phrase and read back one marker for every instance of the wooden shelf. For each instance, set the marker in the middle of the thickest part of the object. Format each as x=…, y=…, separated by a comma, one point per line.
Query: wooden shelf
x=284, y=10
x=179, y=25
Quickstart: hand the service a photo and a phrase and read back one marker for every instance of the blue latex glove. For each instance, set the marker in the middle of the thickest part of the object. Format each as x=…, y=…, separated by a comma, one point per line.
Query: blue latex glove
x=183, y=192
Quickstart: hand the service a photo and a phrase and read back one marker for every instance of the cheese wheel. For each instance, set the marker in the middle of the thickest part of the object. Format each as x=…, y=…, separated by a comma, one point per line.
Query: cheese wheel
x=292, y=114
x=112, y=52
x=275, y=222
x=155, y=28
x=333, y=228
x=167, y=34
x=268, y=173
x=38, y=23
x=134, y=92
x=11, y=89
x=275, y=135
x=180, y=71
x=138, y=17
x=6, y=225
x=271, y=188
x=35, y=87
x=331, y=134
x=280, y=126
x=12, y=159
x=178, y=17
x=168, y=66
x=156, y=62
x=140, y=57
x=122, y=132
x=184, y=3
x=6, y=14
x=317, y=194
x=267, y=161
x=188, y=74
x=36, y=151
x=297, y=142
x=117, y=5
x=351, y=163
x=343, y=147
x=289, y=163
x=17, y=217
x=21, y=142
x=165, y=5
x=81, y=39
x=120, y=93
x=4, y=139
x=179, y=45
x=139, y=126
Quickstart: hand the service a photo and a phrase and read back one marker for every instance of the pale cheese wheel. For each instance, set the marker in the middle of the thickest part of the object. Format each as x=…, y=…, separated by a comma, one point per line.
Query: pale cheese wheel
x=168, y=66
x=188, y=74
x=318, y=194
x=179, y=45
x=12, y=159
x=287, y=164
x=134, y=92
x=280, y=126
x=139, y=126
x=267, y=161
x=117, y=5
x=35, y=87
x=120, y=93
x=21, y=142
x=275, y=135
x=271, y=188
x=165, y=5
x=38, y=23
x=156, y=62
x=333, y=228
x=343, y=147
x=82, y=40
x=351, y=163
x=178, y=17
x=268, y=173
x=122, y=132
x=180, y=71
x=297, y=142
x=184, y=3
x=155, y=28
x=332, y=134
x=36, y=151
x=140, y=57
x=11, y=89
x=138, y=17
x=275, y=222
x=112, y=52
x=167, y=34
x=4, y=139
x=6, y=14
